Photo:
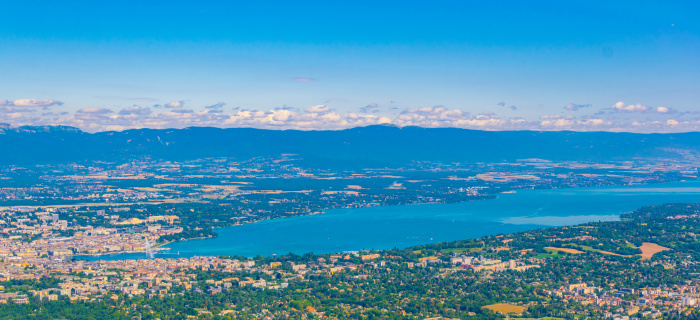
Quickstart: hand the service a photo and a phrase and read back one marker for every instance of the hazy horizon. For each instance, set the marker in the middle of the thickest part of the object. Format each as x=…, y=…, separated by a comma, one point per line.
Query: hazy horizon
x=10, y=127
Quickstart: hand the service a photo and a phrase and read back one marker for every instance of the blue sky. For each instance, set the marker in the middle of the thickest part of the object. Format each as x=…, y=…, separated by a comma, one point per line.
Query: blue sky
x=625, y=66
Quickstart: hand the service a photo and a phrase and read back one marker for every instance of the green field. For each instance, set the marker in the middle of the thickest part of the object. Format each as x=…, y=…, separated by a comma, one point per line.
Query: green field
x=591, y=249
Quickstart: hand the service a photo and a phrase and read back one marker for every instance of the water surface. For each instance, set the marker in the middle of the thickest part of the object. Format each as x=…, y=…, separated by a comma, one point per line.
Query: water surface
x=403, y=226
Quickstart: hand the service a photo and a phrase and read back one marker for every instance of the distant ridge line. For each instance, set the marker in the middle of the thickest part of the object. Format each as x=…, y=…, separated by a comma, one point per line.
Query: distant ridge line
x=370, y=146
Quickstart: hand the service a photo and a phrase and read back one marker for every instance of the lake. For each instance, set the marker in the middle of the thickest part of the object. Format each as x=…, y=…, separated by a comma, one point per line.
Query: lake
x=387, y=227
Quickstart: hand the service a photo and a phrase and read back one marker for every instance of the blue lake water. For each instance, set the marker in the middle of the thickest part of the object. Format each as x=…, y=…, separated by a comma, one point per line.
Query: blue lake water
x=403, y=226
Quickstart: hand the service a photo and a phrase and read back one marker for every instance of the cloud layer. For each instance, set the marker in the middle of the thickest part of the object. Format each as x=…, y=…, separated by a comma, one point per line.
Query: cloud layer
x=174, y=104
x=576, y=107
x=30, y=103
x=622, y=107
x=619, y=117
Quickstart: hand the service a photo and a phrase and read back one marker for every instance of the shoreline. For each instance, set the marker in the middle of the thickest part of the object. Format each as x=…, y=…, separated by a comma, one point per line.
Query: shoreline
x=431, y=203
x=124, y=252
x=490, y=196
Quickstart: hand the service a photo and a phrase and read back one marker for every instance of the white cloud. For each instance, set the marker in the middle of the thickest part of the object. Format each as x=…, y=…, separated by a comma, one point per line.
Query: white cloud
x=29, y=103
x=36, y=103
x=621, y=106
x=593, y=122
x=665, y=110
x=283, y=115
x=557, y=123
x=94, y=110
x=576, y=107
x=135, y=110
x=318, y=109
x=555, y=116
x=440, y=116
x=91, y=116
x=174, y=104
x=639, y=108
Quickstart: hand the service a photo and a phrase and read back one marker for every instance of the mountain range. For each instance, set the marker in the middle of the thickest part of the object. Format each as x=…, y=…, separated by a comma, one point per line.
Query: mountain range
x=372, y=146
